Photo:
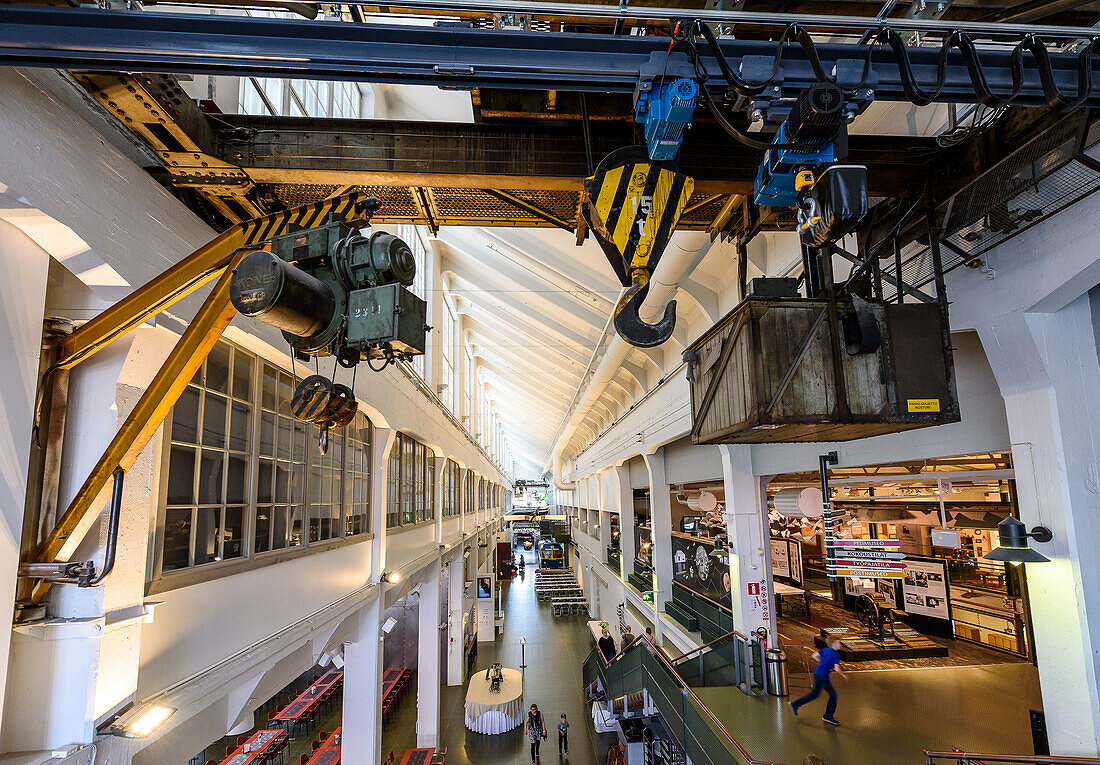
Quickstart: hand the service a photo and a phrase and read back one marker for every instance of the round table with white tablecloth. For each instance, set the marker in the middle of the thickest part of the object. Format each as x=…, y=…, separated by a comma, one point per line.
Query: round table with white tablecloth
x=488, y=712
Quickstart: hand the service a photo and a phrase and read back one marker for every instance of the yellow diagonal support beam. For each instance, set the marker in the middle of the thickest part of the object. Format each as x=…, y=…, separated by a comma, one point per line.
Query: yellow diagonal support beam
x=147, y=415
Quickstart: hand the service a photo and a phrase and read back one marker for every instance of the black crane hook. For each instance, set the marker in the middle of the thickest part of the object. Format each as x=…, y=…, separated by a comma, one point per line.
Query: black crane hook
x=630, y=325
x=632, y=207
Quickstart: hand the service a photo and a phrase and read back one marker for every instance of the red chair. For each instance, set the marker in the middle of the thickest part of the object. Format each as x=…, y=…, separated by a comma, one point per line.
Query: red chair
x=316, y=745
x=322, y=735
x=304, y=760
x=229, y=750
x=242, y=738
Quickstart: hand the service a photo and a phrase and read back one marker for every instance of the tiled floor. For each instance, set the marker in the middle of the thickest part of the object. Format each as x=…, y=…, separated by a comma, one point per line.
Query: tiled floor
x=890, y=716
x=556, y=648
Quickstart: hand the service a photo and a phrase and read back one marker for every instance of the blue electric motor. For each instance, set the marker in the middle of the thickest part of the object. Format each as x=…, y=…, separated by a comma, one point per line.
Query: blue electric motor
x=666, y=111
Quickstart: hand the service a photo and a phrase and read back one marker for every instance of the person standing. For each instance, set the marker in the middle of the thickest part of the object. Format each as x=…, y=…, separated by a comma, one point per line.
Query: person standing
x=606, y=644
x=828, y=659
x=628, y=637
x=535, y=727
x=563, y=736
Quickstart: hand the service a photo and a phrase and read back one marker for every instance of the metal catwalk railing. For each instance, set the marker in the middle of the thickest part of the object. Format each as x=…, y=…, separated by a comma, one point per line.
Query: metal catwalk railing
x=667, y=683
x=973, y=758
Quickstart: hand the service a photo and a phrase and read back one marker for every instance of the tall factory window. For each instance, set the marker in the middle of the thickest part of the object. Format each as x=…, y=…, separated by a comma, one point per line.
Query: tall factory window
x=468, y=502
x=450, y=489
x=281, y=465
x=393, y=484
x=246, y=478
x=448, y=338
x=208, y=463
x=357, y=506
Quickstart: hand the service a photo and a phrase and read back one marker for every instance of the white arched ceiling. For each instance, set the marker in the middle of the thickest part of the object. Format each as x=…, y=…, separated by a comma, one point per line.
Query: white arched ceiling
x=534, y=308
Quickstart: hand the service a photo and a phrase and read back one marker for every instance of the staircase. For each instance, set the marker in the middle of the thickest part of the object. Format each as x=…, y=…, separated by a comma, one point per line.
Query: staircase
x=700, y=738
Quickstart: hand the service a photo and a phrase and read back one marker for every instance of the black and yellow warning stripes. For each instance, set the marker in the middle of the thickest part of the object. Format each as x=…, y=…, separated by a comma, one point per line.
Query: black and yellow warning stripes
x=302, y=217
x=637, y=206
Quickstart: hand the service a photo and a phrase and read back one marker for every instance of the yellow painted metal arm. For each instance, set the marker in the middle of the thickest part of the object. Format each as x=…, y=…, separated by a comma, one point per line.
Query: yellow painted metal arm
x=219, y=257
x=142, y=422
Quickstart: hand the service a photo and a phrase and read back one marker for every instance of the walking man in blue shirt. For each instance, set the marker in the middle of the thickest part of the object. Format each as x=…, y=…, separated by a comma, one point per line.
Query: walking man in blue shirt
x=828, y=659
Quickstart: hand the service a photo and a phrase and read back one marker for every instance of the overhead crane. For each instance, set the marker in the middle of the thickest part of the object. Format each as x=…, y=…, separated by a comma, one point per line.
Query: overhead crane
x=798, y=94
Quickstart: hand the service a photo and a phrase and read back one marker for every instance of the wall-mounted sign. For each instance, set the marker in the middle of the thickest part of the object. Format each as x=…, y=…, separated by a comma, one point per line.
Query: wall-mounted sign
x=694, y=567
x=924, y=589
x=485, y=586
x=787, y=560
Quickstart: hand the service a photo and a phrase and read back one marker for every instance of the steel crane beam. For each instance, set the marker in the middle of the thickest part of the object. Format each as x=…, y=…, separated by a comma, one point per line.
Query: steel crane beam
x=457, y=56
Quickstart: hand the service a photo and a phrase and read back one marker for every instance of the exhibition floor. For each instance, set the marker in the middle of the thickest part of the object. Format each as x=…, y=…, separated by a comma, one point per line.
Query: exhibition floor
x=889, y=716
x=556, y=650
x=797, y=639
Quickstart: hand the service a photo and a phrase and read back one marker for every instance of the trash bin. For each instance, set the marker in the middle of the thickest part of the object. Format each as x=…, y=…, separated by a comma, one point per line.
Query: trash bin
x=775, y=672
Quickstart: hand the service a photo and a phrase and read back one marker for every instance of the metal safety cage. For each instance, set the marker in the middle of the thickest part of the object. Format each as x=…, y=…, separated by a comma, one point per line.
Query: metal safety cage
x=1052, y=171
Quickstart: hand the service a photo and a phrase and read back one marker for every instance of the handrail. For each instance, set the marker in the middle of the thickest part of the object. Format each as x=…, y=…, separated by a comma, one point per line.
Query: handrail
x=715, y=603
x=1029, y=759
x=663, y=659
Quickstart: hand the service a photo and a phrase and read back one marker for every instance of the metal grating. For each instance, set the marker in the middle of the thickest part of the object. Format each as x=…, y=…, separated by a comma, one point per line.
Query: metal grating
x=560, y=204
x=475, y=204
x=294, y=194
x=397, y=201
x=708, y=208
x=1044, y=176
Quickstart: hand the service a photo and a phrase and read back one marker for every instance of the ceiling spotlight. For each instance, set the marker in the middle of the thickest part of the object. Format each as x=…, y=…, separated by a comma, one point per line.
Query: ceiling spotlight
x=1013, y=536
x=140, y=721
x=392, y=577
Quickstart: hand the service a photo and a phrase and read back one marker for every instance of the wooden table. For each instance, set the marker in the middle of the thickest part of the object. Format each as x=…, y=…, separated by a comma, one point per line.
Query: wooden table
x=310, y=697
x=262, y=743
x=329, y=753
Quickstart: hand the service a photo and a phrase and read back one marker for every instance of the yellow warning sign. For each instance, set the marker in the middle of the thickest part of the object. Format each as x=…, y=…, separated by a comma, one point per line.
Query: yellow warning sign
x=923, y=405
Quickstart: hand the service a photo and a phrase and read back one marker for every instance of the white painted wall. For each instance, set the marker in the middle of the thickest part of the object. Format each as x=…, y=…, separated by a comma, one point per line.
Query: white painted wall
x=22, y=296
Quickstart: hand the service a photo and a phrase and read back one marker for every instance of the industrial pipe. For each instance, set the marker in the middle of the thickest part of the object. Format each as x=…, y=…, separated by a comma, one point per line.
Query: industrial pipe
x=684, y=253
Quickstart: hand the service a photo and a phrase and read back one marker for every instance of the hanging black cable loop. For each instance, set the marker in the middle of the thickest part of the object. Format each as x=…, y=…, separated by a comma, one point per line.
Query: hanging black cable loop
x=921, y=97
x=748, y=88
x=1038, y=50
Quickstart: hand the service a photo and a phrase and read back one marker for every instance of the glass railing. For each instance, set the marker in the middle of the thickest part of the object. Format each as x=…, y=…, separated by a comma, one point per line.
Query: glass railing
x=643, y=667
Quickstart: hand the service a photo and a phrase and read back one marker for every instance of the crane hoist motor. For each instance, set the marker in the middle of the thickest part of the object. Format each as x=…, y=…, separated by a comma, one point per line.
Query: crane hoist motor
x=333, y=292
x=804, y=169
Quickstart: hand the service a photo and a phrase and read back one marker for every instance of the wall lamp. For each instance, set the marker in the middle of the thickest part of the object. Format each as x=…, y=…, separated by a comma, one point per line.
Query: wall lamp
x=391, y=577
x=140, y=721
x=1013, y=536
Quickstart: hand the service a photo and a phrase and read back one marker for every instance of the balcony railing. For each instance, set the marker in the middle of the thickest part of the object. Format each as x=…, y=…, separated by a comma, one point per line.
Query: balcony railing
x=643, y=666
x=614, y=558
x=971, y=758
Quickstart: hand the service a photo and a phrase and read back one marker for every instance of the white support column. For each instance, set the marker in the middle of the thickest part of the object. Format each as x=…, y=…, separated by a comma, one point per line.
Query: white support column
x=437, y=496
x=1048, y=371
x=746, y=519
x=624, y=497
x=363, y=665
x=661, y=513
x=361, y=742
x=456, y=586
x=22, y=300
x=427, y=667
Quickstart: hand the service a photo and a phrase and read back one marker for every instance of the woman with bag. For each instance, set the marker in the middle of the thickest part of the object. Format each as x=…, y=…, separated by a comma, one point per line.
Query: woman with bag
x=535, y=727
